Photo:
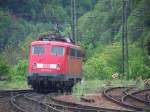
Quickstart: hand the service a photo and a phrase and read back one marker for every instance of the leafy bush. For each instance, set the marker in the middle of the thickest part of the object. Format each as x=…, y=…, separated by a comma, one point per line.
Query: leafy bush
x=19, y=71
x=4, y=68
x=137, y=63
x=96, y=68
x=109, y=61
x=102, y=65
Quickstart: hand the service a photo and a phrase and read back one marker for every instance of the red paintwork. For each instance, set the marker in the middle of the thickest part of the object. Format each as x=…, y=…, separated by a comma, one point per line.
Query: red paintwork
x=68, y=65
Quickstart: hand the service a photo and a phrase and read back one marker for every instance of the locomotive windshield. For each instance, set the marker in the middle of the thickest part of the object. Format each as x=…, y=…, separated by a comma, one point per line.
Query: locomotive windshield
x=37, y=49
x=57, y=50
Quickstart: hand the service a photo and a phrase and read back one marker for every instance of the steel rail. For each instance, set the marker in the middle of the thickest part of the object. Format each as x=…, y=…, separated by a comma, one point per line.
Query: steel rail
x=94, y=108
x=8, y=92
x=50, y=108
x=139, y=99
x=14, y=103
x=115, y=100
x=143, y=102
x=70, y=108
x=129, y=105
x=16, y=90
x=64, y=108
x=67, y=106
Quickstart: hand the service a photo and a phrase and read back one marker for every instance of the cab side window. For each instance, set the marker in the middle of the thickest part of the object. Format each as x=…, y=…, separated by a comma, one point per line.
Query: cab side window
x=75, y=53
x=79, y=53
x=72, y=52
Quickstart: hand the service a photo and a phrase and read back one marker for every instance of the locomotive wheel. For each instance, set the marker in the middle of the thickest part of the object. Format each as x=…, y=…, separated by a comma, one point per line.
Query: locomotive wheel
x=67, y=87
x=37, y=86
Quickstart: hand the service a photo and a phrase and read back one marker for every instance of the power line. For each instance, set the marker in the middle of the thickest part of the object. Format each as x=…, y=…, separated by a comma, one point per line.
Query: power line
x=73, y=20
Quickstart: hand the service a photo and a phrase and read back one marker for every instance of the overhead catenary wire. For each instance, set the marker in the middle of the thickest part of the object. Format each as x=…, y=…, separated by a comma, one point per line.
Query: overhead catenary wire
x=73, y=20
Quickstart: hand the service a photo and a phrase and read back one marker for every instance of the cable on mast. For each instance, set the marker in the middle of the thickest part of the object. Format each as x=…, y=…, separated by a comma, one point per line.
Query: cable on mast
x=125, y=65
x=73, y=20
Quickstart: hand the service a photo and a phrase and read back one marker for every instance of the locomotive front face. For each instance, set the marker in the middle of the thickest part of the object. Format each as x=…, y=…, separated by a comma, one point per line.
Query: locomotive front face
x=44, y=58
x=46, y=61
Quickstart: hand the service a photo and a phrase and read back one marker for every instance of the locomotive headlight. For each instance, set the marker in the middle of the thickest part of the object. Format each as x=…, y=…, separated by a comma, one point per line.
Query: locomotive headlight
x=37, y=65
x=55, y=66
x=34, y=65
x=58, y=67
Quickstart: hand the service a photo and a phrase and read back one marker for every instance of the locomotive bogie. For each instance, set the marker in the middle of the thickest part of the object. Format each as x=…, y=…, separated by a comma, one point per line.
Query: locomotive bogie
x=58, y=82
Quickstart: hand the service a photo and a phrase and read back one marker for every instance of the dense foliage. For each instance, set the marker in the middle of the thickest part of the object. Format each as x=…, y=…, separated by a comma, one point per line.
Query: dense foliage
x=100, y=32
x=99, y=24
x=4, y=68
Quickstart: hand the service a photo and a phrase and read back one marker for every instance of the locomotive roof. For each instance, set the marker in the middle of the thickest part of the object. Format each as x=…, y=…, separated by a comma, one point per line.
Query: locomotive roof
x=55, y=37
x=54, y=43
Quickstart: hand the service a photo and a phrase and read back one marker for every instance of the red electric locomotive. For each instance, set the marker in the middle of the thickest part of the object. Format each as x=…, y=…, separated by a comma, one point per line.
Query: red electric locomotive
x=54, y=62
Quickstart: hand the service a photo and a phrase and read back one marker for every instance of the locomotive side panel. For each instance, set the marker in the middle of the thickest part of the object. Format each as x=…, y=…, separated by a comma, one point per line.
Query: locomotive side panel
x=74, y=66
x=74, y=63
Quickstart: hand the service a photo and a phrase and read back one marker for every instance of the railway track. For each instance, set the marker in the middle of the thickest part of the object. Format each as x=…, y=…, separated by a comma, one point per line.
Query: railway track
x=67, y=108
x=63, y=106
x=59, y=107
x=142, y=96
x=25, y=103
x=77, y=107
x=139, y=99
x=5, y=97
x=29, y=101
x=125, y=96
